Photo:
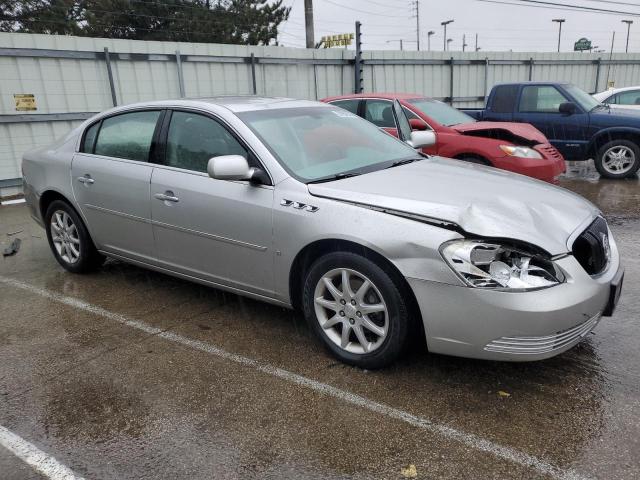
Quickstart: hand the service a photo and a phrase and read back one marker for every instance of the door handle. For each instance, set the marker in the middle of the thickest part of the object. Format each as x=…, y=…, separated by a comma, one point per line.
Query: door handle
x=167, y=197
x=87, y=180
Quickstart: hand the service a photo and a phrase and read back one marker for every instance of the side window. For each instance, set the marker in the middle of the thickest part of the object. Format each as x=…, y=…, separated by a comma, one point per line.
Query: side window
x=90, y=138
x=193, y=139
x=613, y=99
x=380, y=113
x=127, y=136
x=350, y=105
x=504, y=98
x=632, y=97
x=541, y=98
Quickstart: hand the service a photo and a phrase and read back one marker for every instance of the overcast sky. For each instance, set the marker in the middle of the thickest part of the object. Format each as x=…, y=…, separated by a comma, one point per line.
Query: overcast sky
x=499, y=26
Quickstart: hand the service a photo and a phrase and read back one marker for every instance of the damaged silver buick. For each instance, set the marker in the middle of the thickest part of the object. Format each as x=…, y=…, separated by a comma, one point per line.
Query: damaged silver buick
x=306, y=205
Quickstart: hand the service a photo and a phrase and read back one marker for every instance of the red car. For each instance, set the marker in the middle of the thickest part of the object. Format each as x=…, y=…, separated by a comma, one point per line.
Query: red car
x=517, y=147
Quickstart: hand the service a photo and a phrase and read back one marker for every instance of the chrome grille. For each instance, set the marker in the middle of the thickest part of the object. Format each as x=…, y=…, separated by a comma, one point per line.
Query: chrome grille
x=544, y=344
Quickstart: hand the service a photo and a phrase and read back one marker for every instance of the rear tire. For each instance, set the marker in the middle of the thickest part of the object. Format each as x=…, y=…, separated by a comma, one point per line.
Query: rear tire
x=69, y=239
x=372, y=309
x=618, y=159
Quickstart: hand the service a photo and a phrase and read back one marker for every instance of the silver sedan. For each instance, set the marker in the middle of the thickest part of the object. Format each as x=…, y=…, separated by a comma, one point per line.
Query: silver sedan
x=305, y=205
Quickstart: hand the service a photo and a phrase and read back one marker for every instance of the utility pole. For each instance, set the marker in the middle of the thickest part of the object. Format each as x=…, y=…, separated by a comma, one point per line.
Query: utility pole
x=449, y=40
x=464, y=42
x=477, y=47
x=308, y=22
x=559, y=21
x=416, y=4
x=429, y=33
x=628, y=22
x=444, y=40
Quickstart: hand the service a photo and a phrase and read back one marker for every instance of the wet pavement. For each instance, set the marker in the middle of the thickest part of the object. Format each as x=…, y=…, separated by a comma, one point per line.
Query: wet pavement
x=156, y=398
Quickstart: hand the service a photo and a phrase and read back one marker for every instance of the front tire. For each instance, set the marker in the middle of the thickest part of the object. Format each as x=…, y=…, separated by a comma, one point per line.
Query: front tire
x=69, y=239
x=618, y=159
x=357, y=310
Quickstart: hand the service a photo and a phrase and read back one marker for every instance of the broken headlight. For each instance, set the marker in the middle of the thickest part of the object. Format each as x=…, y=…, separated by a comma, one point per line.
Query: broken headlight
x=501, y=267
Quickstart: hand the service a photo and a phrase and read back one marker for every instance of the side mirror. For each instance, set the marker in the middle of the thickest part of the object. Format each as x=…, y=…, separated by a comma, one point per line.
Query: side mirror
x=235, y=167
x=422, y=139
x=567, y=108
x=229, y=167
x=417, y=124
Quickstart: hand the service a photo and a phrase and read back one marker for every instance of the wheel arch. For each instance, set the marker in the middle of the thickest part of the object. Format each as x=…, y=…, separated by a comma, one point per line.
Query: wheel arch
x=311, y=252
x=609, y=134
x=48, y=197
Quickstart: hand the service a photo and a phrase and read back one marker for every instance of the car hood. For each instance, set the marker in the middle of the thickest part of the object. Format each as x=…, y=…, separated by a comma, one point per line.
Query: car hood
x=481, y=200
x=613, y=117
x=522, y=130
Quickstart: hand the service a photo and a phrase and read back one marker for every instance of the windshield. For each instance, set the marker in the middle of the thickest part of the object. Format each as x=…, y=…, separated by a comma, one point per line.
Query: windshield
x=314, y=143
x=582, y=98
x=441, y=112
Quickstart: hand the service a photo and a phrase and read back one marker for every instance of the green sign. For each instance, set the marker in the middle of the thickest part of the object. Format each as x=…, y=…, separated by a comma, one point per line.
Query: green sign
x=582, y=45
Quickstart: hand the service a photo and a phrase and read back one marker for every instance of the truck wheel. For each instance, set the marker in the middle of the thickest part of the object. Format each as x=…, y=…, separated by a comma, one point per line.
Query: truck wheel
x=618, y=159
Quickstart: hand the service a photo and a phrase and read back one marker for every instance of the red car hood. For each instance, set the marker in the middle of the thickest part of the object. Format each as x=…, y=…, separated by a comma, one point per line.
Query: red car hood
x=522, y=130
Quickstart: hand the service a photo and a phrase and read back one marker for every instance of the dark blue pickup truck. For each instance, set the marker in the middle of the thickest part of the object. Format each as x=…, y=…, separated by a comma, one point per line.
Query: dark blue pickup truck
x=573, y=121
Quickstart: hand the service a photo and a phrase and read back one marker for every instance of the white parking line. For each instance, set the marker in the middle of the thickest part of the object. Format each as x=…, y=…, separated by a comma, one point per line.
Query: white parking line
x=36, y=458
x=469, y=439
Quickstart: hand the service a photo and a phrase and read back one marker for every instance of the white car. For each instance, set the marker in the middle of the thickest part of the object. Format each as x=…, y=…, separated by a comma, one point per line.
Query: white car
x=628, y=97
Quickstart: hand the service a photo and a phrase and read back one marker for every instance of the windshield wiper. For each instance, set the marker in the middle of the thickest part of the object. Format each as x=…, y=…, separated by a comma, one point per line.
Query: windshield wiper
x=337, y=176
x=404, y=162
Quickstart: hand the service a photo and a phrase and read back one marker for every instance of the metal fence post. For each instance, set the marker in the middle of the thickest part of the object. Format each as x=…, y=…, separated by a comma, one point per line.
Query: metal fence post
x=180, y=75
x=451, y=62
x=531, y=62
x=598, y=66
x=253, y=74
x=486, y=77
x=112, y=86
x=357, y=88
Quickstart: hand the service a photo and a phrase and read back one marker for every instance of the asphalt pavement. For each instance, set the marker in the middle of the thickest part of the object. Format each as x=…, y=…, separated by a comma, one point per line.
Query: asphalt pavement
x=132, y=374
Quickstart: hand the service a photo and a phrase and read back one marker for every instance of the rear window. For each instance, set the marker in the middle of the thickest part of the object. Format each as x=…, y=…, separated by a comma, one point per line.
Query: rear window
x=127, y=135
x=504, y=98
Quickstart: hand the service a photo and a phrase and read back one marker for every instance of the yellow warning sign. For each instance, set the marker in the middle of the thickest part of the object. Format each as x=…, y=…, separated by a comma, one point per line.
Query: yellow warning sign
x=25, y=102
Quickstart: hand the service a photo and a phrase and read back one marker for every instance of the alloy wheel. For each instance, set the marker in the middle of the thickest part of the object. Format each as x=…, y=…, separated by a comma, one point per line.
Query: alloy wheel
x=65, y=237
x=351, y=311
x=618, y=160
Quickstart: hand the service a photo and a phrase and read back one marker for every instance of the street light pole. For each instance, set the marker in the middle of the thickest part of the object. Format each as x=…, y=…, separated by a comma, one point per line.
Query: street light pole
x=628, y=22
x=444, y=24
x=449, y=40
x=559, y=21
x=429, y=33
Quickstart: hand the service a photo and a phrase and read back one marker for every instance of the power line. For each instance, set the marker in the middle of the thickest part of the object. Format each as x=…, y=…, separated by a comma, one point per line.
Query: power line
x=380, y=14
x=555, y=8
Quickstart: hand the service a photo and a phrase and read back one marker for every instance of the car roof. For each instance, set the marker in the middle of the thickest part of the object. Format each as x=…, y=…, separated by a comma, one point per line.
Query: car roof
x=381, y=95
x=621, y=89
x=235, y=103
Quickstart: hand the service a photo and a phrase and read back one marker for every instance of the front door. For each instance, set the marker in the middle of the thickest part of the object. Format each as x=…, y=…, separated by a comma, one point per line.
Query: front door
x=539, y=106
x=216, y=230
x=111, y=176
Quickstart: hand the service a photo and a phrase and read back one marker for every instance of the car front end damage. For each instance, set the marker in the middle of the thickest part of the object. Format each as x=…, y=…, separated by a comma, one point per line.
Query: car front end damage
x=522, y=306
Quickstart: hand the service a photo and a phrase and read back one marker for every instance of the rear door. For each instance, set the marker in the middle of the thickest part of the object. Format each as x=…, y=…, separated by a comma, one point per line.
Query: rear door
x=111, y=176
x=539, y=105
x=216, y=230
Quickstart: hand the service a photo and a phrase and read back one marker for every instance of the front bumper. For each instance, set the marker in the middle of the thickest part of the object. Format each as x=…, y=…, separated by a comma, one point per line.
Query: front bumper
x=514, y=326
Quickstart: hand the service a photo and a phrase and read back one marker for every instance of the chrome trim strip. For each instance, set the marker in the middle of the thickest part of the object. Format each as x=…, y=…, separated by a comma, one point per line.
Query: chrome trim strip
x=117, y=213
x=209, y=235
x=543, y=344
x=179, y=229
